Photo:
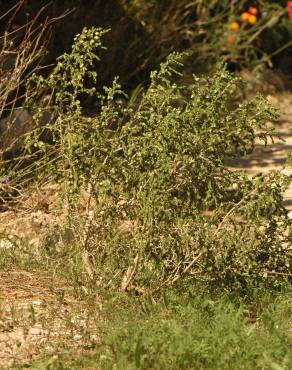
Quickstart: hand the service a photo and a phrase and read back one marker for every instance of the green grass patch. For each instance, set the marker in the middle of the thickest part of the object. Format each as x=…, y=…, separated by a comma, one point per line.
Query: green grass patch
x=188, y=332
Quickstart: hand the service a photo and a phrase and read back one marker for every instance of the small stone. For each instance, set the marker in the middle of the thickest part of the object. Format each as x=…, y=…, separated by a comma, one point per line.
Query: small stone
x=6, y=244
x=36, y=331
x=36, y=303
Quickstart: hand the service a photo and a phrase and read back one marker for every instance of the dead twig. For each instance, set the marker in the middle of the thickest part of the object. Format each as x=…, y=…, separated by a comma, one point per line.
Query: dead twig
x=86, y=257
x=177, y=276
x=194, y=260
x=277, y=273
x=129, y=275
x=233, y=209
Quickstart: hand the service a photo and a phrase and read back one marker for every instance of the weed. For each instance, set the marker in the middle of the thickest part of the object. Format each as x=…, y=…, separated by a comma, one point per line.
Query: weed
x=151, y=168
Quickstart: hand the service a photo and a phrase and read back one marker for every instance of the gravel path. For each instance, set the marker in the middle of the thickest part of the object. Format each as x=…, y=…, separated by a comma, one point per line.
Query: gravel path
x=271, y=157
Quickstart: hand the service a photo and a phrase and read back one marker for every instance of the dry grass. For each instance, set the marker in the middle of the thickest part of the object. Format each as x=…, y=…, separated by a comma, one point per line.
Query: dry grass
x=39, y=313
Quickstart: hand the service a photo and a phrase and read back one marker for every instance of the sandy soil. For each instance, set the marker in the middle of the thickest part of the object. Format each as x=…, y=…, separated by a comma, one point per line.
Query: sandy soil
x=273, y=157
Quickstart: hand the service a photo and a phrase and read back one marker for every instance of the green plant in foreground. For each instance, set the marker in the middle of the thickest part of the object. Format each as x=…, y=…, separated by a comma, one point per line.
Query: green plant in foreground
x=151, y=169
x=190, y=331
x=203, y=334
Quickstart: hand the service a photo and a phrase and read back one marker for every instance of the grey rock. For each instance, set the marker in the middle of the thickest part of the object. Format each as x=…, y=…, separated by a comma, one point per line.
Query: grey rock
x=17, y=117
x=14, y=127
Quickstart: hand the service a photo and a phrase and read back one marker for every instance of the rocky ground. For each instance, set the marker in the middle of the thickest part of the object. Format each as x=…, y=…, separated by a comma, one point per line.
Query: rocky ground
x=39, y=313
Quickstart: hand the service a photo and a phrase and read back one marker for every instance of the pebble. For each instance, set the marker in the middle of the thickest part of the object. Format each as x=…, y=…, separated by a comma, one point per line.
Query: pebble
x=6, y=244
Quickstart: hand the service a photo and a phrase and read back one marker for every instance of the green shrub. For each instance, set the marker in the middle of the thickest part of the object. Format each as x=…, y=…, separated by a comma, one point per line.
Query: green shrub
x=152, y=168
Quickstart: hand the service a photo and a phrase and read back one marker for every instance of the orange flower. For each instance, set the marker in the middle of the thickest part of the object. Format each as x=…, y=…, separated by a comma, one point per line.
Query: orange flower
x=252, y=19
x=231, y=39
x=234, y=26
x=289, y=8
x=253, y=10
x=244, y=16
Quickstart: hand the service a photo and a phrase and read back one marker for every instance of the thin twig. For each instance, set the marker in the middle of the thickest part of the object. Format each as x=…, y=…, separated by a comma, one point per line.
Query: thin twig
x=194, y=260
x=86, y=257
x=277, y=273
x=228, y=214
x=129, y=275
